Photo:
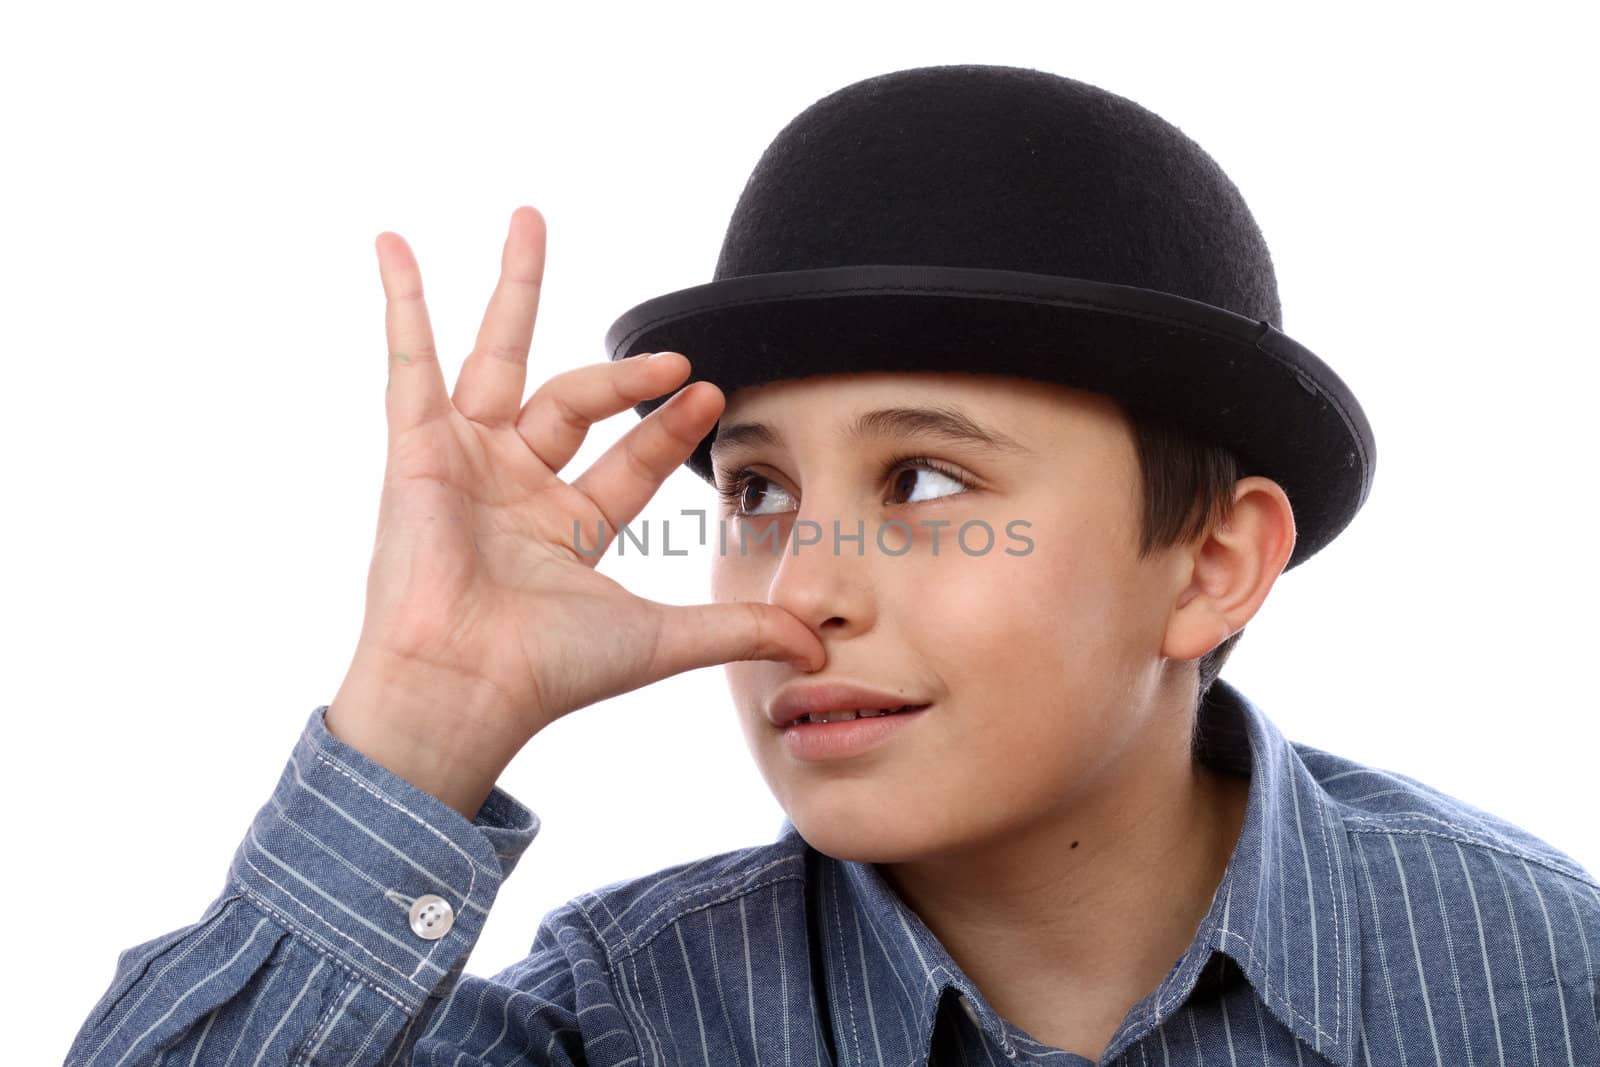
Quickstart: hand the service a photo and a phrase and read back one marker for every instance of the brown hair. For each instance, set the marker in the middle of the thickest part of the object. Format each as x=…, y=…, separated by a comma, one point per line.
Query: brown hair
x=1188, y=489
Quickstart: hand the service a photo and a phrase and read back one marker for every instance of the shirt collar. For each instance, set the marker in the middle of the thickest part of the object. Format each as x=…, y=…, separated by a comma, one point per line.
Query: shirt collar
x=1282, y=914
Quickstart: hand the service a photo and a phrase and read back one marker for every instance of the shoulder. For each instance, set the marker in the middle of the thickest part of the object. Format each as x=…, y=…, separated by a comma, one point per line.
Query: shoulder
x=627, y=915
x=1444, y=877
x=1386, y=803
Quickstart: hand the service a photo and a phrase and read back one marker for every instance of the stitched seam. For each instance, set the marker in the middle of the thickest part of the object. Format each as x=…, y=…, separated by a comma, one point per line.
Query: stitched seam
x=1488, y=838
x=399, y=1042
x=1349, y=923
x=1006, y=1044
x=319, y=917
x=354, y=970
x=473, y=866
x=323, y=948
x=678, y=898
x=326, y=847
x=1338, y=942
x=302, y=1054
x=698, y=907
x=1467, y=837
x=612, y=924
x=1163, y=1006
x=300, y=778
x=843, y=958
x=1271, y=988
x=669, y=884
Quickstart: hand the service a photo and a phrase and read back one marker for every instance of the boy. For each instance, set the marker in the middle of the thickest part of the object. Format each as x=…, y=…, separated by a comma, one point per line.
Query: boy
x=993, y=357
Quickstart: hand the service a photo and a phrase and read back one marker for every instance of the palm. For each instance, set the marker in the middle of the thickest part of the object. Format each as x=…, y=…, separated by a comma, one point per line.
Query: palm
x=483, y=556
x=476, y=572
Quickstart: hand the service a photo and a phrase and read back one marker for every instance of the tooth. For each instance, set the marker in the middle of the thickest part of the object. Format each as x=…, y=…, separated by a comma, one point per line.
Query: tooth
x=859, y=713
x=847, y=716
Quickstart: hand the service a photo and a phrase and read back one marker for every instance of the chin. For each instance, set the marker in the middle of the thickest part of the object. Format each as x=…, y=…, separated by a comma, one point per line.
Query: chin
x=865, y=840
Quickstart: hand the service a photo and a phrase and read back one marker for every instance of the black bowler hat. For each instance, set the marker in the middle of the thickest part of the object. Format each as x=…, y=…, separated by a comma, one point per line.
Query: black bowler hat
x=1003, y=220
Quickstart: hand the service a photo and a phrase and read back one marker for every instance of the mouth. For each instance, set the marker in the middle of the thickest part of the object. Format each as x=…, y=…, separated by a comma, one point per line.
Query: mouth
x=826, y=717
x=845, y=734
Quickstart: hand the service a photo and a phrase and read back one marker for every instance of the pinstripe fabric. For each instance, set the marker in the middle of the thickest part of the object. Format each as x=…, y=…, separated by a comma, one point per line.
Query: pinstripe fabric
x=1364, y=919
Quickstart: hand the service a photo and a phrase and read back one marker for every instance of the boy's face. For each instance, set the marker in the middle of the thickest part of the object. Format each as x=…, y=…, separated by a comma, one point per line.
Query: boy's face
x=1044, y=670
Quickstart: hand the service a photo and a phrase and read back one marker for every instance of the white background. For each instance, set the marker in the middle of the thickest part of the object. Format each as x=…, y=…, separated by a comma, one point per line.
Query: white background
x=195, y=366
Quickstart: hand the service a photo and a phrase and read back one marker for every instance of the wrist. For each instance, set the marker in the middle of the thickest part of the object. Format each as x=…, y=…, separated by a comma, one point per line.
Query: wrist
x=444, y=733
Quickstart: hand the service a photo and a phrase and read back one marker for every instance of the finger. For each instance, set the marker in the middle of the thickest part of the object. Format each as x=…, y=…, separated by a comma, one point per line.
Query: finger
x=630, y=472
x=416, y=390
x=704, y=635
x=558, y=415
x=489, y=389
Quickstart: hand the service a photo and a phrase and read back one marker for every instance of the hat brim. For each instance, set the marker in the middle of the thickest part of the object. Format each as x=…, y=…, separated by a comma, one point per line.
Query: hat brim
x=1235, y=380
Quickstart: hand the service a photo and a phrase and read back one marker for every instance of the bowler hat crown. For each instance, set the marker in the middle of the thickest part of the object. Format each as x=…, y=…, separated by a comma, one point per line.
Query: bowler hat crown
x=1004, y=220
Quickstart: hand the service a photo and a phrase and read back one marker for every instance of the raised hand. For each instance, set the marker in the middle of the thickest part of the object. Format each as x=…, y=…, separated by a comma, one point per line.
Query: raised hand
x=484, y=623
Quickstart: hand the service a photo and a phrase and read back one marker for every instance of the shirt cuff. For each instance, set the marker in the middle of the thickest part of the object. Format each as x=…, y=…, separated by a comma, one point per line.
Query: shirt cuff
x=374, y=871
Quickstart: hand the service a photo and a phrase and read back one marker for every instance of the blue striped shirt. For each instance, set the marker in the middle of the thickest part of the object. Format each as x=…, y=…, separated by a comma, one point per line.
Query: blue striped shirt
x=1364, y=918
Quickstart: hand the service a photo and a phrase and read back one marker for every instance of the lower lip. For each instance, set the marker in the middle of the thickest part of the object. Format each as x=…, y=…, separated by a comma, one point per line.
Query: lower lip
x=837, y=740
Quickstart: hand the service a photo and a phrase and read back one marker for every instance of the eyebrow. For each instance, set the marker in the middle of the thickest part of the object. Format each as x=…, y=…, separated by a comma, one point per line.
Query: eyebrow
x=943, y=422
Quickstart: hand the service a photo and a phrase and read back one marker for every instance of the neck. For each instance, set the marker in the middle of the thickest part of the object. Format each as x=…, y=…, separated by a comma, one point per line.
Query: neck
x=1067, y=922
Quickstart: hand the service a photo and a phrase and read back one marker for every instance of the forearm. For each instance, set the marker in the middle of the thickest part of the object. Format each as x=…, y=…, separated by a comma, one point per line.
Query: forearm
x=313, y=939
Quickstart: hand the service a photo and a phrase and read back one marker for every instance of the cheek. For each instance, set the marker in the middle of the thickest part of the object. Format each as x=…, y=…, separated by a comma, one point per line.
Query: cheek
x=1036, y=653
x=1006, y=619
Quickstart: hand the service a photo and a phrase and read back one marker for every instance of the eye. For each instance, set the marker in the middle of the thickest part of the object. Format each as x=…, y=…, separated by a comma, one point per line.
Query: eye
x=737, y=489
x=911, y=468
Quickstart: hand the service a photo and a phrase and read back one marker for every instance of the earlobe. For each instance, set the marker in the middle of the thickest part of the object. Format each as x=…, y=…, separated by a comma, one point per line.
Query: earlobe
x=1194, y=629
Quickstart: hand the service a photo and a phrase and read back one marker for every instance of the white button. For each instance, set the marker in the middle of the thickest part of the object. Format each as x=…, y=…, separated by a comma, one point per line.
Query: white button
x=966, y=1005
x=431, y=917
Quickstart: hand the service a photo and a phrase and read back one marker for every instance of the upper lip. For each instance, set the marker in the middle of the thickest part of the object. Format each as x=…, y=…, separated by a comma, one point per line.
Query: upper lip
x=813, y=698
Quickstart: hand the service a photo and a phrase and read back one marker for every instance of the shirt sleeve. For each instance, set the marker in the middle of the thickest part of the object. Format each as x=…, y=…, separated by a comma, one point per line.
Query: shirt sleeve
x=347, y=915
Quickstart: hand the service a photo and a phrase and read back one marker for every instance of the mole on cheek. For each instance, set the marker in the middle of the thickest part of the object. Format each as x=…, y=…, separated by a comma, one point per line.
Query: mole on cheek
x=1074, y=844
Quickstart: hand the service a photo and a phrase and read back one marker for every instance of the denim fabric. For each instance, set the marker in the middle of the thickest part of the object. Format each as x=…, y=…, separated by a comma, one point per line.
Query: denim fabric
x=1364, y=918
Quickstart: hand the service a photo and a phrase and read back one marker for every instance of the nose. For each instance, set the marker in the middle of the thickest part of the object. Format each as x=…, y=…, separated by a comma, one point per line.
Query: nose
x=822, y=574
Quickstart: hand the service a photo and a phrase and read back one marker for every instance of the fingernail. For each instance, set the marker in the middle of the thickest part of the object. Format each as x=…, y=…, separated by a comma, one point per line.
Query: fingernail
x=656, y=356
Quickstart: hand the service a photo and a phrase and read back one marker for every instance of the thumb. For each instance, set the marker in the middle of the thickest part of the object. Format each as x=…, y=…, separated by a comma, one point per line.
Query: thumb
x=704, y=635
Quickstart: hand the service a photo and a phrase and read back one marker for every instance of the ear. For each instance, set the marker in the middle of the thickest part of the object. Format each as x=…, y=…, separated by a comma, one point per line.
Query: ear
x=1225, y=576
